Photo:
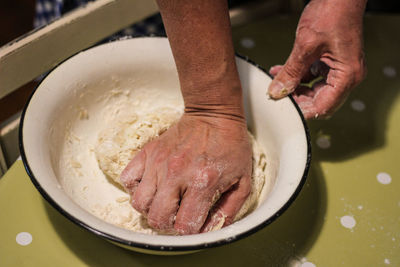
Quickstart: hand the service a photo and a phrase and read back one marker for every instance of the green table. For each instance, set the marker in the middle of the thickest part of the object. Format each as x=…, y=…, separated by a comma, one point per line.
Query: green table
x=348, y=213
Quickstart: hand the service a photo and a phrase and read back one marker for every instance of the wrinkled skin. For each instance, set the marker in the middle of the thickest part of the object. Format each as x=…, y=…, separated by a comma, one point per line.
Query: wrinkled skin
x=176, y=178
x=329, y=44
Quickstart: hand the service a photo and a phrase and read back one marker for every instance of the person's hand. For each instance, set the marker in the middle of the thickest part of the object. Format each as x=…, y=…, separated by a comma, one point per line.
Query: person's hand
x=328, y=44
x=175, y=179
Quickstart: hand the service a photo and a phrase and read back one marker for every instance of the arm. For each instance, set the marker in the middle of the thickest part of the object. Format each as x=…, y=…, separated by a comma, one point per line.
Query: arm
x=176, y=179
x=329, y=44
x=200, y=37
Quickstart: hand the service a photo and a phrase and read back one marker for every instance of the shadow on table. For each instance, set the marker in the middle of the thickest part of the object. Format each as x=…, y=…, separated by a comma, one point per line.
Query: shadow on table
x=285, y=240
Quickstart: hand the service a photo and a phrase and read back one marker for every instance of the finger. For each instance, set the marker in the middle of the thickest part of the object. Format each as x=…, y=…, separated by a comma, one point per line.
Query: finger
x=324, y=103
x=305, y=103
x=304, y=53
x=164, y=207
x=193, y=211
x=228, y=206
x=201, y=193
x=133, y=172
x=144, y=194
x=274, y=70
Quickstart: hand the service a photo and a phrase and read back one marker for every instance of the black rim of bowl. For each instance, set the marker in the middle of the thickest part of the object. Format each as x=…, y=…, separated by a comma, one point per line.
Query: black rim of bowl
x=162, y=248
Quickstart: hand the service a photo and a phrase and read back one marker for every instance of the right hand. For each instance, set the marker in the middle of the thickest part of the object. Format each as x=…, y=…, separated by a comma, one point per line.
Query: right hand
x=328, y=44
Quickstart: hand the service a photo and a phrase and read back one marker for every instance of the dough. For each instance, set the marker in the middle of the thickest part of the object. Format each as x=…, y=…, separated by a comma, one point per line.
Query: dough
x=121, y=140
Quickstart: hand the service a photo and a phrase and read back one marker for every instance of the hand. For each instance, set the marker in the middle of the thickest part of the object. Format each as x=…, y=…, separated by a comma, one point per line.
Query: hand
x=328, y=44
x=175, y=179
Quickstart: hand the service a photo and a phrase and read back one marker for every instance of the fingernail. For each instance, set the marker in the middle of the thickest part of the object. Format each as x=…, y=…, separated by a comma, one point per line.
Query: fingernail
x=278, y=90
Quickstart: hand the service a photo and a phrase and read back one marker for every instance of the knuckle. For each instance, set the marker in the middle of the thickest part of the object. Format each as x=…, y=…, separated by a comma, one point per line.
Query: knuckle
x=133, y=172
x=175, y=164
x=128, y=182
x=355, y=72
x=292, y=70
x=307, y=39
x=125, y=179
x=206, y=180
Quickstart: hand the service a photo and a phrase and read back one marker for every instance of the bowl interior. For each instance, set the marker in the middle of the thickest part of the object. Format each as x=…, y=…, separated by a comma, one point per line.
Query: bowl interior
x=148, y=63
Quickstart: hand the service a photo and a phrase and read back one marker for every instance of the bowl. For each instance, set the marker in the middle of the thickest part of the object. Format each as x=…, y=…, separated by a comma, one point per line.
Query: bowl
x=278, y=126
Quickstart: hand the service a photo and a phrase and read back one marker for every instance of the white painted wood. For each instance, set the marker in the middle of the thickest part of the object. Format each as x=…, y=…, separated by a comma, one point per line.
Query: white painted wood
x=40, y=50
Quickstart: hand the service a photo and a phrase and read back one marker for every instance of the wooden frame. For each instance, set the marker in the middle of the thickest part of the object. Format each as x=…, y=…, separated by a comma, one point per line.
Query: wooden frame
x=40, y=50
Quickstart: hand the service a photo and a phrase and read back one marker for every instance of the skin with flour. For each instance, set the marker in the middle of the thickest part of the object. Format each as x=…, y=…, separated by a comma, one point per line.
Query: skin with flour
x=106, y=128
x=328, y=43
x=120, y=141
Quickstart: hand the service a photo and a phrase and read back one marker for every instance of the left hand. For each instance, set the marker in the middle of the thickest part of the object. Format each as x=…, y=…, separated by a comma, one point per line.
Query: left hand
x=177, y=178
x=328, y=44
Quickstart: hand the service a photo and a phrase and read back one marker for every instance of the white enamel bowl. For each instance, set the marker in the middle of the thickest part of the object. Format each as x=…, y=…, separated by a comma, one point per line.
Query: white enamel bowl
x=277, y=125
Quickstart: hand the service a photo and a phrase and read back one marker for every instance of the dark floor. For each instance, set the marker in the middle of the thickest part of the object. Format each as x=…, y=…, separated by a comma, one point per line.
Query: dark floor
x=16, y=18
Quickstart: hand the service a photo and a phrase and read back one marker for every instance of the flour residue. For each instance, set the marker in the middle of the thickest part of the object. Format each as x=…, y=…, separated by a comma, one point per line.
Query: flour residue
x=123, y=120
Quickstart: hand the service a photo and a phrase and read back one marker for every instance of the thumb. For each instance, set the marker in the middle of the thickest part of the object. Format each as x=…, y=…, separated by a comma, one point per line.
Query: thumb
x=296, y=67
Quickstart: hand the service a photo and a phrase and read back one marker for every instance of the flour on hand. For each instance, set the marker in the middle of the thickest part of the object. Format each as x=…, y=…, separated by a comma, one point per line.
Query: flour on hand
x=123, y=139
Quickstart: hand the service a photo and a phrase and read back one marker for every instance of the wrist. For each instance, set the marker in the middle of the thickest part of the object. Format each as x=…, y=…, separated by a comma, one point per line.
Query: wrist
x=226, y=124
x=215, y=100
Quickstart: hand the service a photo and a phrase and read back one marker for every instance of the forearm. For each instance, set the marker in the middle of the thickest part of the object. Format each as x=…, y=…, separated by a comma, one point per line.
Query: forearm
x=200, y=36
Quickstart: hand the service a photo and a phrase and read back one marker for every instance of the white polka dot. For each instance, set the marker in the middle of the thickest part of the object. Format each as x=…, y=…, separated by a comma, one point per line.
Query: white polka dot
x=308, y=264
x=386, y=261
x=389, y=71
x=360, y=207
x=357, y=105
x=324, y=142
x=384, y=178
x=348, y=221
x=247, y=43
x=24, y=238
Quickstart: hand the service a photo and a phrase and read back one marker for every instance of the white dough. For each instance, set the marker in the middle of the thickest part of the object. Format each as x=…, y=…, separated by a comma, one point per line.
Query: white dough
x=104, y=133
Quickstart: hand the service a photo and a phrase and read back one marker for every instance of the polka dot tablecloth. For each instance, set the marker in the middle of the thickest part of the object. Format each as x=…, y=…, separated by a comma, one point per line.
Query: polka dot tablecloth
x=348, y=213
